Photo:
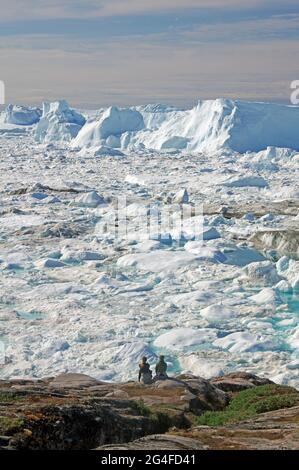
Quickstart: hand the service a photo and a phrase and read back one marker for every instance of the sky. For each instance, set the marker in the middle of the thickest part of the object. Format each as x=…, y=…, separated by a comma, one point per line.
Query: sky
x=126, y=52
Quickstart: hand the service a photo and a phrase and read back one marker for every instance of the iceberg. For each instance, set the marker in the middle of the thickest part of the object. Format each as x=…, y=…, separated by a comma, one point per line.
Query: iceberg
x=20, y=115
x=209, y=127
x=58, y=123
x=112, y=123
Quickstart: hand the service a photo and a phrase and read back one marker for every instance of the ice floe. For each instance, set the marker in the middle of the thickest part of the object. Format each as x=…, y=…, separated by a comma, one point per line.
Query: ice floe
x=214, y=294
x=181, y=338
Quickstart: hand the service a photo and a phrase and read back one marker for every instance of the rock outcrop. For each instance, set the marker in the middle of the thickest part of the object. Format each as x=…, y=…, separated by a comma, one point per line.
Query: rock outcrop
x=285, y=242
x=159, y=442
x=72, y=411
x=75, y=411
x=276, y=430
x=237, y=381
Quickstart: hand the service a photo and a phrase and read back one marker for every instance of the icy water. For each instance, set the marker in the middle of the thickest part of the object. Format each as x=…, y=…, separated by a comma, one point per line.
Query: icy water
x=293, y=303
x=106, y=302
x=30, y=315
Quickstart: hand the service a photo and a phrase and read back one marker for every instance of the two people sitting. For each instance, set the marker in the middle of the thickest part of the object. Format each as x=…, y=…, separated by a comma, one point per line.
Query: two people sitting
x=145, y=374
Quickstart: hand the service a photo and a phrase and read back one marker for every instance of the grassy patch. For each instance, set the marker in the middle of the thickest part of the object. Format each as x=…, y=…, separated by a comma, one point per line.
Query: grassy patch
x=142, y=409
x=137, y=390
x=161, y=418
x=6, y=397
x=250, y=403
x=9, y=425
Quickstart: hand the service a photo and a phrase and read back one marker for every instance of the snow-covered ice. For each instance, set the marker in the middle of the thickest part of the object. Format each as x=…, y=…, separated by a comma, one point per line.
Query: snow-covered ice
x=58, y=123
x=208, y=127
x=78, y=296
x=20, y=115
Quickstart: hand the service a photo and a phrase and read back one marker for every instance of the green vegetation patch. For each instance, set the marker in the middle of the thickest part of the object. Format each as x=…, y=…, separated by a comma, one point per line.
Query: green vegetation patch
x=142, y=409
x=162, y=419
x=6, y=397
x=249, y=403
x=9, y=425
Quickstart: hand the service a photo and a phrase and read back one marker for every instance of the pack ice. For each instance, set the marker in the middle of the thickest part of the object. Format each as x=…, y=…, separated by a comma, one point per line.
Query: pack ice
x=215, y=294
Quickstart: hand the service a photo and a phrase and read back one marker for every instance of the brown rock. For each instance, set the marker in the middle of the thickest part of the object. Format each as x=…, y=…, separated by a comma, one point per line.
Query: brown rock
x=275, y=430
x=238, y=381
x=159, y=442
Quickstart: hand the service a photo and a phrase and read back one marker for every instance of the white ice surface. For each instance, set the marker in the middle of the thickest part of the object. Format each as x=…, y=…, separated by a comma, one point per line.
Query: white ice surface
x=74, y=298
x=210, y=126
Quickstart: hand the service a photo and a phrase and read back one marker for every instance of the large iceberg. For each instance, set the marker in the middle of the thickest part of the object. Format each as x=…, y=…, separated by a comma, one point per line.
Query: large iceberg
x=20, y=115
x=216, y=124
x=59, y=123
x=210, y=126
x=108, y=129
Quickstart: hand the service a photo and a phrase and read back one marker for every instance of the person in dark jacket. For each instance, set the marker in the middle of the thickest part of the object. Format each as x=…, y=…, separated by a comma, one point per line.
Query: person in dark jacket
x=161, y=369
x=145, y=373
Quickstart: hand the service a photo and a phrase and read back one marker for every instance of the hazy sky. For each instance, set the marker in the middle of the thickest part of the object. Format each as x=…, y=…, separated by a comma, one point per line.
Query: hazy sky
x=99, y=52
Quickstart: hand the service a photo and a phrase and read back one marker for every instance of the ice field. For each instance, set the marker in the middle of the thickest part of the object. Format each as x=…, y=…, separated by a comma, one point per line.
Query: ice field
x=76, y=296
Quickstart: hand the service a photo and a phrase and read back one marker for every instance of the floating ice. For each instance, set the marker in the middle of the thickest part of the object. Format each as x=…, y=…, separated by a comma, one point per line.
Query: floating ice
x=294, y=339
x=283, y=286
x=202, y=366
x=224, y=252
x=113, y=122
x=167, y=260
x=39, y=196
x=289, y=269
x=244, y=342
x=52, y=347
x=204, y=252
x=58, y=123
x=105, y=151
x=180, y=338
x=131, y=353
x=181, y=197
x=267, y=296
x=110, y=296
x=72, y=256
x=20, y=115
x=50, y=263
x=255, y=181
x=217, y=312
x=263, y=272
x=92, y=200
x=212, y=125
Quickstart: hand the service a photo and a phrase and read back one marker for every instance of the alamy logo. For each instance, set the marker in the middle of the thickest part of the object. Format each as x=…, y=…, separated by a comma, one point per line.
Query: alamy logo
x=2, y=93
x=295, y=94
x=161, y=222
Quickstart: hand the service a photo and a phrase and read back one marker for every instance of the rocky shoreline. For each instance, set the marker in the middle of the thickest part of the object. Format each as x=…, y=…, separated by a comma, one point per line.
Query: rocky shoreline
x=77, y=412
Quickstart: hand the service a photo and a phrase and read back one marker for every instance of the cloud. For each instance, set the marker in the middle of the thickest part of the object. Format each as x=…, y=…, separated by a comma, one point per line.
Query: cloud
x=99, y=63
x=125, y=7
x=125, y=72
x=16, y=10
x=274, y=27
